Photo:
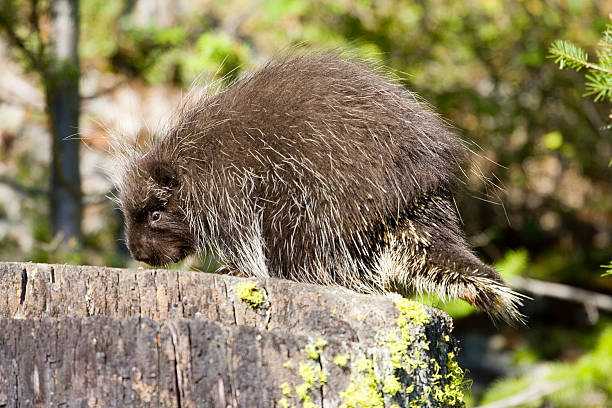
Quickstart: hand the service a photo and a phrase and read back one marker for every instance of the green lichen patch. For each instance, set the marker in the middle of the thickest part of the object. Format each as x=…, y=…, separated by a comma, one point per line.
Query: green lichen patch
x=283, y=403
x=403, y=375
x=322, y=376
x=455, y=385
x=308, y=372
x=411, y=323
x=362, y=391
x=448, y=385
x=302, y=392
x=250, y=294
x=411, y=312
x=320, y=343
x=445, y=385
x=285, y=389
x=364, y=365
x=311, y=375
x=341, y=360
x=391, y=385
x=315, y=349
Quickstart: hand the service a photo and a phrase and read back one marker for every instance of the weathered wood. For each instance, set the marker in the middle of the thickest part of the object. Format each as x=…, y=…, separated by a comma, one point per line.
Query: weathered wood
x=94, y=336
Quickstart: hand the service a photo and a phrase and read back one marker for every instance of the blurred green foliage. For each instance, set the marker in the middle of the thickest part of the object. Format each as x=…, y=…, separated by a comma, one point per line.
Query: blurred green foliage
x=581, y=383
x=608, y=269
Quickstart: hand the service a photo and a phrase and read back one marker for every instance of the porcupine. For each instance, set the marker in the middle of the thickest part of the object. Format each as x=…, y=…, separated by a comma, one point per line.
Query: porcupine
x=316, y=168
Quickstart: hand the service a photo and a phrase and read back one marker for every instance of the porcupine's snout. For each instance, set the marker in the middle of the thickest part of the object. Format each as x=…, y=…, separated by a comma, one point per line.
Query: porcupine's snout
x=158, y=249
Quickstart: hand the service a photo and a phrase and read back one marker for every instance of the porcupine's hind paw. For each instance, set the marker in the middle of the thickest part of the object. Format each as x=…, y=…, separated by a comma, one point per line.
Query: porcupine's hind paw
x=450, y=271
x=494, y=298
x=468, y=278
x=427, y=253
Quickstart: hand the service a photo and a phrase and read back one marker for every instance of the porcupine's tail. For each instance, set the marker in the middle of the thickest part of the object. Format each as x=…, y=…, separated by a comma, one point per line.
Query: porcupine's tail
x=427, y=252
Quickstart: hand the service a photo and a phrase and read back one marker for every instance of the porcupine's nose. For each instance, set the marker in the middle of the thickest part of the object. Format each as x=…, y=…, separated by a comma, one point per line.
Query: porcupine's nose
x=138, y=251
x=138, y=254
x=148, y=259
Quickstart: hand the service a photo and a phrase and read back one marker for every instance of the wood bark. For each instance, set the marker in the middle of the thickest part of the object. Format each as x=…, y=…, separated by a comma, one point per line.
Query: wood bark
x=80, y=336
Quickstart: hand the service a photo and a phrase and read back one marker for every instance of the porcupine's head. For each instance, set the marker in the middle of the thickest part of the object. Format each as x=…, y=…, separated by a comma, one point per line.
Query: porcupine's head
x=157, y=229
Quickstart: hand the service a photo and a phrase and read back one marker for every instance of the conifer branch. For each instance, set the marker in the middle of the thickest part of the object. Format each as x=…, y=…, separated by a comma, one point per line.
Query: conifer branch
x=572, y=56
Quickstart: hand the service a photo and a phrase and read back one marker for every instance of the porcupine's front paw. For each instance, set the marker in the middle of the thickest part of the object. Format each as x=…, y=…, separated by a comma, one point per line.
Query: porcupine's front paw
x=230, y=270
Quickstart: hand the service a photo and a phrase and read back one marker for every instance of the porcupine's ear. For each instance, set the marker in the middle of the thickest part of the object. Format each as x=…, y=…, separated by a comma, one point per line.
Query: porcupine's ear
x=164, y=174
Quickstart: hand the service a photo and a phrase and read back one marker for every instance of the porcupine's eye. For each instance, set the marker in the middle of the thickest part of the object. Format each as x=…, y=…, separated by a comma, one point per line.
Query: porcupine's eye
x=155, y=216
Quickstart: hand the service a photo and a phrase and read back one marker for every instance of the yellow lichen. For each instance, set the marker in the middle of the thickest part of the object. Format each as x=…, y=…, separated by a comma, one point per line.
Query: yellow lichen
x=367, y=390
x=447, y=385
x=320, y=343
x=411, y=312
x=302, y=391
x=448, y=389
x=308, y=372
x=315, y=349
x=455, y=386
x=363, y=391
x=364, y=365
x=285, y=389
x=249, y=293
x=419, y=402
x=341, y=360
x=322, y=376
x=391, y=385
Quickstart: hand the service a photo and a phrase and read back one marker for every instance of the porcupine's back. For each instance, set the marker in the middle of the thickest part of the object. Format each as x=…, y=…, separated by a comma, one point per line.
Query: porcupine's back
x=315, y=168
x=327, y=152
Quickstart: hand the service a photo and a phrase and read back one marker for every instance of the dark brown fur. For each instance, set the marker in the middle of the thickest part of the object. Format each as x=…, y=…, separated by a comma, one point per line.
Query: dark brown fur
x=315, y=168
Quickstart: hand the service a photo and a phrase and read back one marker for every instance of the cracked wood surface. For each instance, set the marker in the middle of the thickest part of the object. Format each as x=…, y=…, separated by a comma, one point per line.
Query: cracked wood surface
x=87, y=336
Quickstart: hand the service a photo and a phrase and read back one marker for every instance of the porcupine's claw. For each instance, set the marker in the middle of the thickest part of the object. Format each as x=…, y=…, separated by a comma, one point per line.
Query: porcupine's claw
x=230, y=270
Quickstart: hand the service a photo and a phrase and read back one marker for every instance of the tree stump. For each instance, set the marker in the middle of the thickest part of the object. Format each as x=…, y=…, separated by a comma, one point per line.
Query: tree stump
x=82, y=336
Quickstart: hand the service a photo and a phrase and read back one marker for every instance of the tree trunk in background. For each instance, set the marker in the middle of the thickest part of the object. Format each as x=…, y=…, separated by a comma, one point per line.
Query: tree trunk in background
x=61, y=81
